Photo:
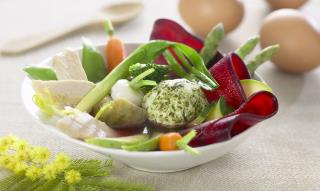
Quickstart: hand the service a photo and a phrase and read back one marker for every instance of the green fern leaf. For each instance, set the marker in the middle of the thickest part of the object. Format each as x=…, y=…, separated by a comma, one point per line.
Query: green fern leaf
x=89, y=168
x=9, y=181
x=115, y=185
x=21, y=185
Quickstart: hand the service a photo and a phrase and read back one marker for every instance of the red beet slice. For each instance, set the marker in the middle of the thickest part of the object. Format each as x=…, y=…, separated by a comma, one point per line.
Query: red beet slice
x=239, y=67
x=165, y=29
x=257, y=108
x=229, y=86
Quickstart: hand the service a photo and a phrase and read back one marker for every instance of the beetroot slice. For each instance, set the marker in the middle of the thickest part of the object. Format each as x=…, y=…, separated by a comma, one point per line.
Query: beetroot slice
x=229, y=86
x=257, y=108
x=165, y=29
x=239, y=67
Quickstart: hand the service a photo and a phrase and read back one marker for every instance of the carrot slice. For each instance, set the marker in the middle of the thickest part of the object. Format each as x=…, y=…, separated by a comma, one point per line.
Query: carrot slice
x=168, y=141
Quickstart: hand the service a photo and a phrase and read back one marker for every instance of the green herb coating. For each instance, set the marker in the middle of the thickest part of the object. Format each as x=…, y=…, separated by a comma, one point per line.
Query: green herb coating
x=174, y=103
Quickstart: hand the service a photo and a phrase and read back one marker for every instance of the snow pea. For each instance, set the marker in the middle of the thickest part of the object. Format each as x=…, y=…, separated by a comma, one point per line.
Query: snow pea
x=93, y=62
x=40, y=73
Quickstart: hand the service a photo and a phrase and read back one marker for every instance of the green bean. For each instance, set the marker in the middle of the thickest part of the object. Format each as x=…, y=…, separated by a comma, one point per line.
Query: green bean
x=40, y=73
x=247, y=47
x=262, y=57
x=212, y=42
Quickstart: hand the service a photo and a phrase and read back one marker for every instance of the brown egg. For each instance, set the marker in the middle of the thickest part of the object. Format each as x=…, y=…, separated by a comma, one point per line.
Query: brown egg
x=280, y=4
x=298, y=38
x=202, y=15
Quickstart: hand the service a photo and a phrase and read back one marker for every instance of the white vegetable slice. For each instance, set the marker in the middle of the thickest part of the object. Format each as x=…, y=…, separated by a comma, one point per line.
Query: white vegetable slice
x=68, y=66
x=64, y=92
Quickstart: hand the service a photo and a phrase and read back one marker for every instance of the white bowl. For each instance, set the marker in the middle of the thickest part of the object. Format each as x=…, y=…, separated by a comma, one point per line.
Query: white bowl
x=156, y=161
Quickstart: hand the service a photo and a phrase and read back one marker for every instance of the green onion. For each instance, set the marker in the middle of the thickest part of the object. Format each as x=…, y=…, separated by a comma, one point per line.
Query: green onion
x=182, y=144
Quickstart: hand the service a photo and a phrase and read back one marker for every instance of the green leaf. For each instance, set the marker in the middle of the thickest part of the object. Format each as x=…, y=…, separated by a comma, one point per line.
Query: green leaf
x=40, y=73
x=62, y=186
x=36, y=184
x=115, y=185
x=212, y=42
x=224, y=106
x=93, y=62
x=108, y=27
x=48, y=185
x=92, y=168
x=9, y=181
x=21, y=185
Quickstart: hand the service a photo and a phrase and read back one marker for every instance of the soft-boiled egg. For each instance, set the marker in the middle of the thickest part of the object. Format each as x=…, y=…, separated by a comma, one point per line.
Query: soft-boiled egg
x=202, y=15
x=298, y=37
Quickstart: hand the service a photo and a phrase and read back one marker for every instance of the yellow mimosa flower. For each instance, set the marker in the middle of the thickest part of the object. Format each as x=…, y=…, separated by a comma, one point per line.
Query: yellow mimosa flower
x=40, y=154
x=21, y=156
x=20, y=167
x=33, y=173
x=21, y=145
x=50, y=172
x=62, y=161
x=72, y=176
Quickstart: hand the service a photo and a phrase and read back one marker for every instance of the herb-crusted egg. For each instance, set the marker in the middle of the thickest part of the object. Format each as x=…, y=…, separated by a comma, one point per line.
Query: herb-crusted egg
x=174, y=103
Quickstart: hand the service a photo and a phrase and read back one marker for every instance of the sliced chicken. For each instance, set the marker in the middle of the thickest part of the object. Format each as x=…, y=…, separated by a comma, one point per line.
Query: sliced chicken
x=68, y=66
x=64, y=92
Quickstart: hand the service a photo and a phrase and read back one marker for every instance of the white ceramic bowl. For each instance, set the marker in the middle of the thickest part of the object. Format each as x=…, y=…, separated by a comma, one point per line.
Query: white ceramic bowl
x=156, y=161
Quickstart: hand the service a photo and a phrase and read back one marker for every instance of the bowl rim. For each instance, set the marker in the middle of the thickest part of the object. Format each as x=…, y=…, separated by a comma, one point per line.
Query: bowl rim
x=36, y=117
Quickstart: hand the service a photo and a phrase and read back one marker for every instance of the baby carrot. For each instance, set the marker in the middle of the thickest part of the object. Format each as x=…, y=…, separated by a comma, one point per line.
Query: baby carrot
x=168, y=141
x=114, y=51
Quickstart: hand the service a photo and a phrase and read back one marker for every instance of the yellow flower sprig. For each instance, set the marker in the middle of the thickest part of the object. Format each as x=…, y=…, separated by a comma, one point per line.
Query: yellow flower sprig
x=36, y=168
x=34, y=162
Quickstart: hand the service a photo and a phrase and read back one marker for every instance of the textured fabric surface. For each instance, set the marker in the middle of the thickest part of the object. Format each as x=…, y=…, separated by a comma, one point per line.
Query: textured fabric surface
x=283, y=154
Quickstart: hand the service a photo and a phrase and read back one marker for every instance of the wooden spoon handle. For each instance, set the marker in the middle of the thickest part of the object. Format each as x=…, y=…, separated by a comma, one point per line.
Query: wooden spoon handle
x=30, y=42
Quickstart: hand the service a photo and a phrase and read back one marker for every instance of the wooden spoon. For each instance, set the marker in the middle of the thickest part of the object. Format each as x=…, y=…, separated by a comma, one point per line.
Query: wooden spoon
x=117, y=13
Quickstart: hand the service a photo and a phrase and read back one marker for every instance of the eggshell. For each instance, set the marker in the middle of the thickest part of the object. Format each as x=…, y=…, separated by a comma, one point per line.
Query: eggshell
x=202, y=15
x=280, y=4
x=298, y=38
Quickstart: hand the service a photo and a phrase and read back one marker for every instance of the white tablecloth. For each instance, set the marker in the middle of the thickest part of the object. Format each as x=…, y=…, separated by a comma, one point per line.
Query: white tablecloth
x=283, y=154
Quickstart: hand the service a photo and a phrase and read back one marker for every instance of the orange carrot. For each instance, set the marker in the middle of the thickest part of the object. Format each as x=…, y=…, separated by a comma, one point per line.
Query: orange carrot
x=168, y=141
x=114, y=51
